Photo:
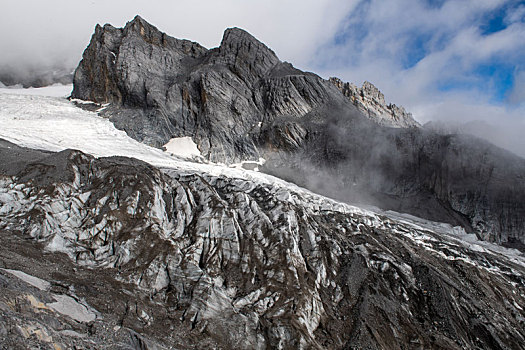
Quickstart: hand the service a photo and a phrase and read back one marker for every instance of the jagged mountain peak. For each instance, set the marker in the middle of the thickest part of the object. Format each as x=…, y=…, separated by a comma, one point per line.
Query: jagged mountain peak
x=141, y=26
x=139, y=19
x=137, y=25
x=371, y=101
x=238, y=37
x=242, y=50
x=239, y=102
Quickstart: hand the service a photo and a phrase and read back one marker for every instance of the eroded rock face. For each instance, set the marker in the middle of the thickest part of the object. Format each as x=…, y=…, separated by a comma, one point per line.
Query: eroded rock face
x=209, y=261
x=369, y=100
x=239, y=102
x=224, y=98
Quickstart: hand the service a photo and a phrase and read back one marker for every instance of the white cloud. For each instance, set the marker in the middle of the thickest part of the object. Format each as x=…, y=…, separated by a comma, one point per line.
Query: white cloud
x=379, y=43
x=34, y=30
x=517, y=95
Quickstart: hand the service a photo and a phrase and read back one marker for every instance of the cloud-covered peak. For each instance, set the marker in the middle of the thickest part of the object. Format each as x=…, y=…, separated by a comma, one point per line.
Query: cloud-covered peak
x=441, y=59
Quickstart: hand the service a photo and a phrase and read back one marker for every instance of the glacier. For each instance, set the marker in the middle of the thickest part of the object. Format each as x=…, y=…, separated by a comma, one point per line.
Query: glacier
x=224, y=257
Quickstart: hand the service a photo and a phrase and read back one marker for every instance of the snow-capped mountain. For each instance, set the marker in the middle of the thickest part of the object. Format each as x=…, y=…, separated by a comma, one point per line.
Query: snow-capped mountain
x=109, y=242
x=240, y=102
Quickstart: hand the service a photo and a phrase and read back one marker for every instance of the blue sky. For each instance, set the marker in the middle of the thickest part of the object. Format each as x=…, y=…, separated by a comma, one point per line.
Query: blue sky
x=456, y=61
x=473, y=46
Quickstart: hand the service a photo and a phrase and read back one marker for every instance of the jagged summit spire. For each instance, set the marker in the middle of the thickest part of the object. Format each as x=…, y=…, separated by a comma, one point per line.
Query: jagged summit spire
x=139, y=24
x=236, y=37
x=138, y=18
x=243, y=50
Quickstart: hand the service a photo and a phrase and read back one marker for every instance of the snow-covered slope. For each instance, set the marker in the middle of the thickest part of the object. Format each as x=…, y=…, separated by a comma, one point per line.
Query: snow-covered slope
x=43, y=118
x=217, y=257
x=35, y=118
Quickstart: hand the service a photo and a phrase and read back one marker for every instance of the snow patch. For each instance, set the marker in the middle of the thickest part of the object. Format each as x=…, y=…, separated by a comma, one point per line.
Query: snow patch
x=182, y=147
x=63, y=304
x=70, y=307
x=82, y=102
x=32, y=280
x=249, y=164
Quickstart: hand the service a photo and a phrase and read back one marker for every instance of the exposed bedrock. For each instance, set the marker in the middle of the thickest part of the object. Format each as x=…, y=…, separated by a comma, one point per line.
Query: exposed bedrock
x=240, y=102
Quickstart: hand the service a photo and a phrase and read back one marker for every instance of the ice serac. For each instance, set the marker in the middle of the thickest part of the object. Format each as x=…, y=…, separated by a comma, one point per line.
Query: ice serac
x=240, y=102
x=171, y=258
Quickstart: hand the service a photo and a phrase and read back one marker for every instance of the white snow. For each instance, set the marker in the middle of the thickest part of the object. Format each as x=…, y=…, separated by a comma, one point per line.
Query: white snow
x=249, y=164
x=63, y=304
x=32, y=280
x=55, y=124
x=68, y=306
x=183, y=147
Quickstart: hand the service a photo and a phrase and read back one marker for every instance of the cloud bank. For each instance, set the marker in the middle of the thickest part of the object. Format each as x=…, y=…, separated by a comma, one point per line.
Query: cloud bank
x=459, y=62
x=34, y=31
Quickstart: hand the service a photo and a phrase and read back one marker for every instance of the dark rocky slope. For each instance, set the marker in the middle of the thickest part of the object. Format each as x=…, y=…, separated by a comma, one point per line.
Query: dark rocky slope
x=453, y=178
x=154, y=259
x=238, y=101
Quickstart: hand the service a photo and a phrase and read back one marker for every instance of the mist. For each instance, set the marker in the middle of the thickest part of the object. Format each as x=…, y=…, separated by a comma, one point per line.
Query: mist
x=437, y=172
x=506, y=135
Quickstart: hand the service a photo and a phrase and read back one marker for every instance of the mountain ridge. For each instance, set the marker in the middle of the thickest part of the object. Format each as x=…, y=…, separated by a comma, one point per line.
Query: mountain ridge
x=239, y=102
x=241, y=59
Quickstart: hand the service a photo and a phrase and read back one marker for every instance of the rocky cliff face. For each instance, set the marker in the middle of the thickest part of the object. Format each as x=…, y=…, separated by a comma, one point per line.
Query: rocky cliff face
x=114, y=252
x=369, y=100
x=238, y=102
x=224, y=98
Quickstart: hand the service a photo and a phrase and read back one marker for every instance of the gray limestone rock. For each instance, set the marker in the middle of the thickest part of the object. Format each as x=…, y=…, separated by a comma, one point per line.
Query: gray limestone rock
x=239, y=102
x=160, y=87
x=369, y=100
